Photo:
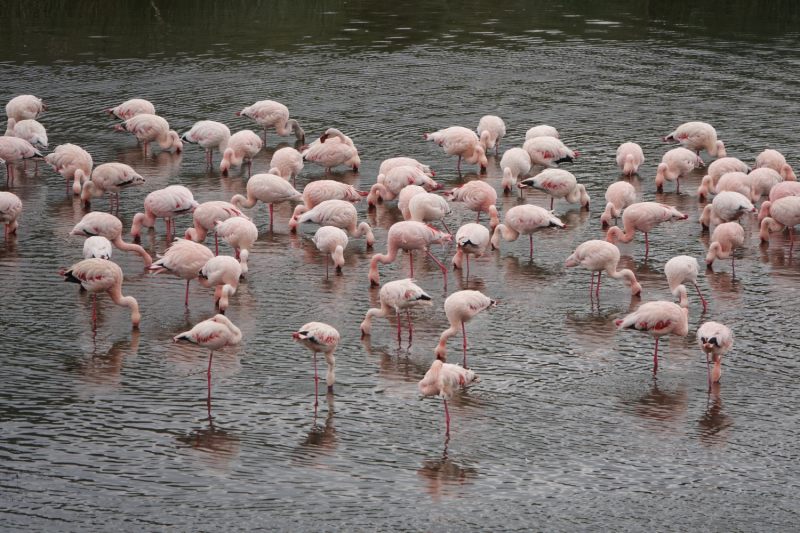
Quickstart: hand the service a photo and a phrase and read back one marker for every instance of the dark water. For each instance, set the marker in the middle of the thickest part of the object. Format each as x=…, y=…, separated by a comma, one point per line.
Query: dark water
x=106, y=429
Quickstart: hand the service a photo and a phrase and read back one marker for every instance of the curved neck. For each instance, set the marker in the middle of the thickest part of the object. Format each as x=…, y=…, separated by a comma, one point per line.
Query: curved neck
x=377, y=191
x=115, y=292
x=361, y=230
x=680, y=293
x=617, y=233
x=122, y=245
x=629, y=167
x=248, y=202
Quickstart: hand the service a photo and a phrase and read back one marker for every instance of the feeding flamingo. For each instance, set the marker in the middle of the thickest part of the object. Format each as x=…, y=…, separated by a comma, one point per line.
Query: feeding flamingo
x=30, y=130
x=725, y=240
x=542, y=131
x=242, y=146
x=596, y=256
x=477, y=196
x=784, y=213
x=340, y=214
x=524, y=220
x=14, y=150
x=698, y=136
x=184, y=259
x=491, y=130
x=781, y=190
x=132, y=108
x=333, y=148
x=674, y=164
x=471, y=239
x=98, y=247
x=715, y=340
x=429, y=207
x=516, y=163
x=679, y=270
x=331, y=241
x=289, y=163
x=222, y=274
x=643, y=216
x=269, y=114
x=774, y=159
x=319, y=191
x=111, y=178
x=404, y=199
x=24, y=107
x=619, y=195
x=546, y=151
x=110, y=227
x=462, y=142
x=10, y=209
x=408, y=235
x=73, y=163
x=208, y=134
x=736, y=182
x=558, y=183
x=206, y=216
x=152, y=129
x=762, y=181
x=391, y=184
x=322, y=338
x=241, y=234
x=726, y=207
x=461, y=307
x=100, y=275
x=269, y=188
x=392, y=162
x=167, y=203
x=443, y=379
x=658, y=319
x=716, y=170
x=398, y=295
x=629, y=158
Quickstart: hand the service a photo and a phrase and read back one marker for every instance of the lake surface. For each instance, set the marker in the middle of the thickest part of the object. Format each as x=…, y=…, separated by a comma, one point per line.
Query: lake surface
x=106, y=429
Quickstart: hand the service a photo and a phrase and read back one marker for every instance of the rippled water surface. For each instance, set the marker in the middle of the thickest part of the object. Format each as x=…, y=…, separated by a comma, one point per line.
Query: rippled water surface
x=105, y=429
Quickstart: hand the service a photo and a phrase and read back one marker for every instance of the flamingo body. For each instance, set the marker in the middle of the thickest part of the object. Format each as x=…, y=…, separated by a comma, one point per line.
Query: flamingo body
x=320, y=338
x=726, y=206
x=408, y=235
x=98, y=247
x=241, y=234
x=30, y=130
x=461, y=307
x=727, y=237
x=674, y=164
x=596, y=256
x=558, y=183
x=471, y=239
x=774, y=159
x=679, y=270
x=629, y=158
x=111, y=178
x=516, y=163
x=658, y=319
x=242, y=146
x=24, y=107
x=73, y=163
x=132, y=108
x=491, y=130
x=150, y=128
x=443, y=379
x=698, y=136
x=462, y=142
x=643, y=216
x=548, y=151
x=542, y=131
x=399, y=295
x=619, y=195
x=477, y=196
x=340, y=214
x=110, y=227
x=10, y=209
x=184, y=259
x=332, y=241
x=716, y=170
x=389, y=185
x=166, y=203
x=208, y=134
x=524, y=220
x=270, y=114
x=99, y=275
x=221, y=273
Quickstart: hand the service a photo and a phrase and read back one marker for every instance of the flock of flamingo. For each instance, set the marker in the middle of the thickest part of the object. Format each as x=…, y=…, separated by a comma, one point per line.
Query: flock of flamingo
x=328, y=203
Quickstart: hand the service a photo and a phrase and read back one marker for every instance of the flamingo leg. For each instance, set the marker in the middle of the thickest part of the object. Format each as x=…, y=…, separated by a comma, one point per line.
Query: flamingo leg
x=249, y=165
x=316, y=379
x=464, y=337
x=145, y=149
x=265, y=136
x=270, y=216
x=708, y=367
x=398, y=326
x=444, y=270
x=478, y=220
x=646, y=246
x=166, y=220
x=597, y=291
x=411, y=262
x=295, y=181
x=467, y=257
x=791, y=237
x=591, y=285
x=678, y=181
x=410, y=331
x=186, y=302
x=458, y=166
x=531, y=237
x=94, y=306
x=67, y=187
x=733, y=262
x=446, y=228
x=551, y=203
x=655, y=358
x=208, y=374
x=326, y=266
x=701, y=296
x=447, y=417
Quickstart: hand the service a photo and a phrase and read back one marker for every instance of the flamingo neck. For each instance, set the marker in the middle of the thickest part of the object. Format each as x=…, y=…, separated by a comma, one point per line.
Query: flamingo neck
x=378, y=190
x=124, y=246
x=115, y=292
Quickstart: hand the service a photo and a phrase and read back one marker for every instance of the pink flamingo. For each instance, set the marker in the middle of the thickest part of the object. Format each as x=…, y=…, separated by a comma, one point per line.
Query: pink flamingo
x=716, y=170
x=15, y=150
x=596, y=256
x=184, y=259
x=30, y=130
x=762, y=181
x=110, y=227
x=270, y=189
x=73, y=163
x=674, y=164
x=471, y=239
x=208, y=134
x=619, y=195
x=714, y=339
x=322, y=338
x=398, y=295
x=477, y=196
x=205, y=218
x=391, y=184
x=558, y=183
x=241, y=234
x=725, y=240
x=784, y=213
x=99, y=275
x=132, y=108
x=698, y=136
x=111, y=178
x=542, y=130
x=629, y=158
x=319, y=191
x=24, y=107
x=152, y=129
x=289, y=163
x=242, y=146
x=10, y=209
x=429, y=207
x=736, y=182
x=269, y=114
x=546, y=151
x=726, y=207
x=410, y=236
x=331, y=241
x=462, y=142
x=643, y=216
x=524, y=220
x=221, y=273
x=491, y=130
x=679, y=270
x=781, y=190
x=516, y=163
x=461, y=307
x=98, y=247
x=404, y=199
x=443, y=379
x=658, y=319
x=340, y=214
x=774, y=159
x=167, y=203
x=338, y=150
x=392, y=162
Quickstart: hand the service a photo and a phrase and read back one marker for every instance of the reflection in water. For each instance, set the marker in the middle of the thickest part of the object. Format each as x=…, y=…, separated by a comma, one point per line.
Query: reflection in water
x=442, y=476
x=215, y=447
x=321, y=441
x=714, y=424
x=101, y=373
x=666, y=409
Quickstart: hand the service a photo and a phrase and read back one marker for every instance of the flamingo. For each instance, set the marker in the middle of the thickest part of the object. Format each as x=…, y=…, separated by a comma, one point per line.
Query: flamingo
x=132, y=108
x=429, y=207
x=658, y=319
x=629, y=158
x=208, y=134
x=725, y=207
x=442, y=379
x=471, y=239
x=401, y=294
x=477, y=196
x=389, y=185
x=268, y=114
x=213, y=334
x=111, y=178
x=319, y=191
x=167, y=203
x=774, y=159
x=596, y=256
x=205, y=218
x=98, y=247
x=340, y=214
x=110, y=227
x=30, y=130
x=331, y=241
x=241, y=234
x=242, y=146
x=546, y=151
x=410, y=236
x=619, y=195
x=491, y=130
x=784, y=212
x=289, y=163
x=10, y=209
x=716, y=170
x=763, y=180
x=736, y=182
x=392, y=162
x=338, y=150
x=515, y=164
x=14, y=150
x=679, y=270
x=643, y=216
x=152, y=129
x=319, y=337
x=269, y=188
x=781, y=190
x=73, y=163
x=405, y=196
x=462, y=142
x=725, y=240
x=24, y=107
x=542, y=131
x=100, y=275
x=524, y=220
x=184, y=259
x=461, y=307
x=558, y=183
x=221, y=273
x=674, y=164
x=715, y=339
x=698, y=136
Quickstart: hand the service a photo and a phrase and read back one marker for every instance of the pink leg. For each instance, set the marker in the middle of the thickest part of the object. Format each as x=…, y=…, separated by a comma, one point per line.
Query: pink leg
x=646, y=246
x=411, y=262
x=94, y=308
x=655, y=359
x=478, y=220
x=410, y=331
x=447, y=417
x=446, y=228
x=791, y=237
x=701, y=296
x=467, y=258
x=145, y=149
x=531, y=236
x=591, y=285
x=270, y=216
x=398, y=326
x=458, y=167
x=186, y=302
x=166, y=220
x=117, y=195
x=208, y=374
x=464, y=337
x=597, y=291
x=708, y=367
x=444, y=270
x=216, y=244
x=265, y=136
x=326, y=265
x=678, y=181
x=295, y=181
x=551, y=203
x=316, y=379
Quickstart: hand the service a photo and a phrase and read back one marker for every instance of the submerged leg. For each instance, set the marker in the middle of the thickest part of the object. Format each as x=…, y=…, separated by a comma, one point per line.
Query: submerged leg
x=94, y=306
x=208, y=373
x=708, y=367
x=464, y=336
x=655, y=358
x=447, y=417
x=597, y=291
x=398, y=326
x=701, y=296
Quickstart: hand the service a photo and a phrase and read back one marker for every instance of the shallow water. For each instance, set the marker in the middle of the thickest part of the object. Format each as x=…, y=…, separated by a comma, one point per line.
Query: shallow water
x=567, y=429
